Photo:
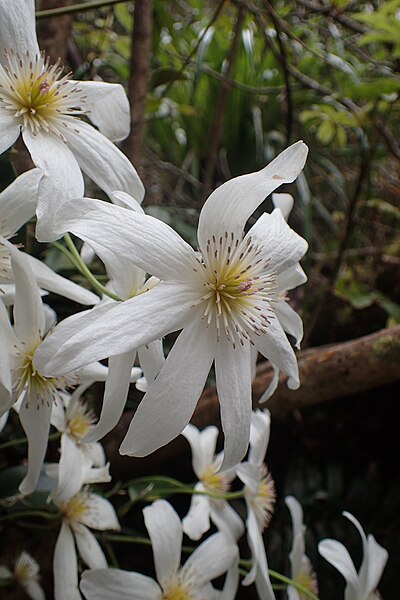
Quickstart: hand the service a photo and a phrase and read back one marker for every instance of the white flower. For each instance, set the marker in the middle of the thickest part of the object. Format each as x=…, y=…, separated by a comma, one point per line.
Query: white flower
x=300, y=566
x=37, y=100
x=202, y=507
x=190, y=582
x=26, y=574
x=361, y=585
x=223, y=298
x=17, y=205
x=260, y=500
x=80, y=511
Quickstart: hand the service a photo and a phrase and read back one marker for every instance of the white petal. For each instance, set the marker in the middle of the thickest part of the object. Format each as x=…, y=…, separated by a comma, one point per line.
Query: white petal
x=151, y=359
x=233, y=378
x=101, y=514
x=279, y=244
x=250, y=474
x=113, y=584
x=275, y=346
x=126, y=201
x=35, y=419
x=260, y=568
x=129, y=324
x=170, y=402
x=108, y=107
x=65, y=566
x=259, y=436
x=297, y=552
x=17, y=26
x=213, y=557
x=291, y=322
x=226, y=519
x=197, y=520
x=73, y=466
x=9, y=339
x=202, y=444
x=9, y=127
x=271, y=389
x=89, y=548
x=284, y=202
x=18, y=201
x=377, y=559
x=337, y=554
x=165, y=531
x=291, y=278
x=102, y=161
x=29, y=318
x=229, y=206
x=231, y=583
x=115, y=394
x=33, y=589
x=52, y=282
x=111, y=230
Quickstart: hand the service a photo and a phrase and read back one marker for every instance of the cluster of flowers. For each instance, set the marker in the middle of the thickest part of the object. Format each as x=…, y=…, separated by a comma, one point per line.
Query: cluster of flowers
x=227, y=299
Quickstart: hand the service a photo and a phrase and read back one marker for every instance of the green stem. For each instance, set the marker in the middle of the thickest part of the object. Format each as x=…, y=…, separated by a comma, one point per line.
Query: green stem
x=65, y=10
x=180, y=488
x=127, y=539
x=294, y=584
x=29, y=513
x=78, y=262
x=20, y=441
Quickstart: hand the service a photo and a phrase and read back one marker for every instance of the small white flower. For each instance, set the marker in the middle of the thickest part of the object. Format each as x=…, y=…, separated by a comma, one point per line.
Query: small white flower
x=301, y=570
x=202, y=507
x=222, y=297
x=361, y=585
x=26, y=574
x=190, y=582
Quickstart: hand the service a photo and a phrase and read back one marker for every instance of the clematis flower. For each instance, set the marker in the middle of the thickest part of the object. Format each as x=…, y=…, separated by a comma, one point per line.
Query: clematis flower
x=222, y=297
x=361, y=585
x=81, y=510
x=17, y=205
x=260, y=500
x=301, y=570
x=210, y=560
x=37, y=100
x=26, y=574
x=21, y=384
x=206, y=466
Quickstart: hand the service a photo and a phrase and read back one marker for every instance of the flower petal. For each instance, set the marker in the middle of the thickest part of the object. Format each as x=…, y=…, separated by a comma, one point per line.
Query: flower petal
x=9, y=340
x=226, y=519
x=102, y=161
x=88, y=547
x=9, y=127
x=291, y=322
x=197, y=520
x=202, y=444
x=233, y=378
x=275, y=346
x=291, y=278
x=108, y=107
x=284, y=202
x=298, y=547
x=73, y=466
x=115, y=394
x=170, y=402
x=65, y=566
x=18, y=201
x=100, y=514
x=104, y=584
x=259, y=436
x=165, y=531
x=213, y=557
x=151, y=359
x=135, y=322
x=259, y=570
x=337, y=554
x=229, y=206
x=17, y=26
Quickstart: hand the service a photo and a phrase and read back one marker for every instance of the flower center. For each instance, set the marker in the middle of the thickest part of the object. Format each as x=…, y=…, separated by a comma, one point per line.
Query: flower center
x=26, y=568
x=264, y=500
x=238, y=289
x=36, y=93
x=79, y=421
x=307, y=579
x=213, y=482
x=176, y=592
x=76, y=507
x=27, y=379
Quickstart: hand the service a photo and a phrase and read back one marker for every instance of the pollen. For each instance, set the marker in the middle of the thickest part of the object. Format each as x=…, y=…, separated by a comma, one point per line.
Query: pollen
x=213, y=481
x=177, y=592
x=307, y=579
x=237, y=287
x=79, y=420
x=37, y=94
x=75, y=509
x=25, y=568
x=264, y=500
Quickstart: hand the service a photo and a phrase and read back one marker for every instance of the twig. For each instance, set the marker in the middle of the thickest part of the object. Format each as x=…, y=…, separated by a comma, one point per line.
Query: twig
x=65, y=10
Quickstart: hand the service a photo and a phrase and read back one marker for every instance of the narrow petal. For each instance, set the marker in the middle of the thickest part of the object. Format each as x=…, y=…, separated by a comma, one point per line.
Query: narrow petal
x=17, y=26
x=197, y=520
x=226, y=519
x=165, y=531
x=89, y=548
x=284, y=202
x=229, y=207
x=115, y=394
x=9, y=127
x=112, y=230
x=259, y=436
x=151, y=360
x=291, y=322
x=104, y=584
x=65, y=566
x=231, y=582
x=102, y=161
x=33, y=589
x=213, y=557
x=337, y=554
x=377, y=559
x=271, y=389
x=170, y=402
x=100, y=514
x=279, y=244
x=35, y=419
x=18, y=201
x=233, y=377
x=9, y=339
x=52, y=282
x=73, y=466
x=291, y=278
x=298, y=548
x=259, y=571
x=275, y=346
x=108, y=107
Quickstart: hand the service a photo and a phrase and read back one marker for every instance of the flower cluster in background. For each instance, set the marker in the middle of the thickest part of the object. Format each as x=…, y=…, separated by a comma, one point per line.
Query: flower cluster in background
x=227, y=299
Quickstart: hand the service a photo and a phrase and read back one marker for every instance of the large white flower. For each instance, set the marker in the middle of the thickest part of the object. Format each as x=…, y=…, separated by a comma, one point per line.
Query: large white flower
x=301, y=570
x=190, y=582
x=260, y=500
x=223, y=297
x=202, y=507
x=42, y=103
x=361, y=585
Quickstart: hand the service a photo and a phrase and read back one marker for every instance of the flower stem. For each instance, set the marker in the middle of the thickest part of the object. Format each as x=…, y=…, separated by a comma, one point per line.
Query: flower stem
x=300, y=588
x=24, y=440
x=64, y=10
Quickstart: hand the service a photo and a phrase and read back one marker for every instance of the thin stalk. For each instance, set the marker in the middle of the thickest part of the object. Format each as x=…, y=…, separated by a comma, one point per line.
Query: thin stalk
x=84, y=6
x=24, y=440
x=294, y=584
x=29, y=513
